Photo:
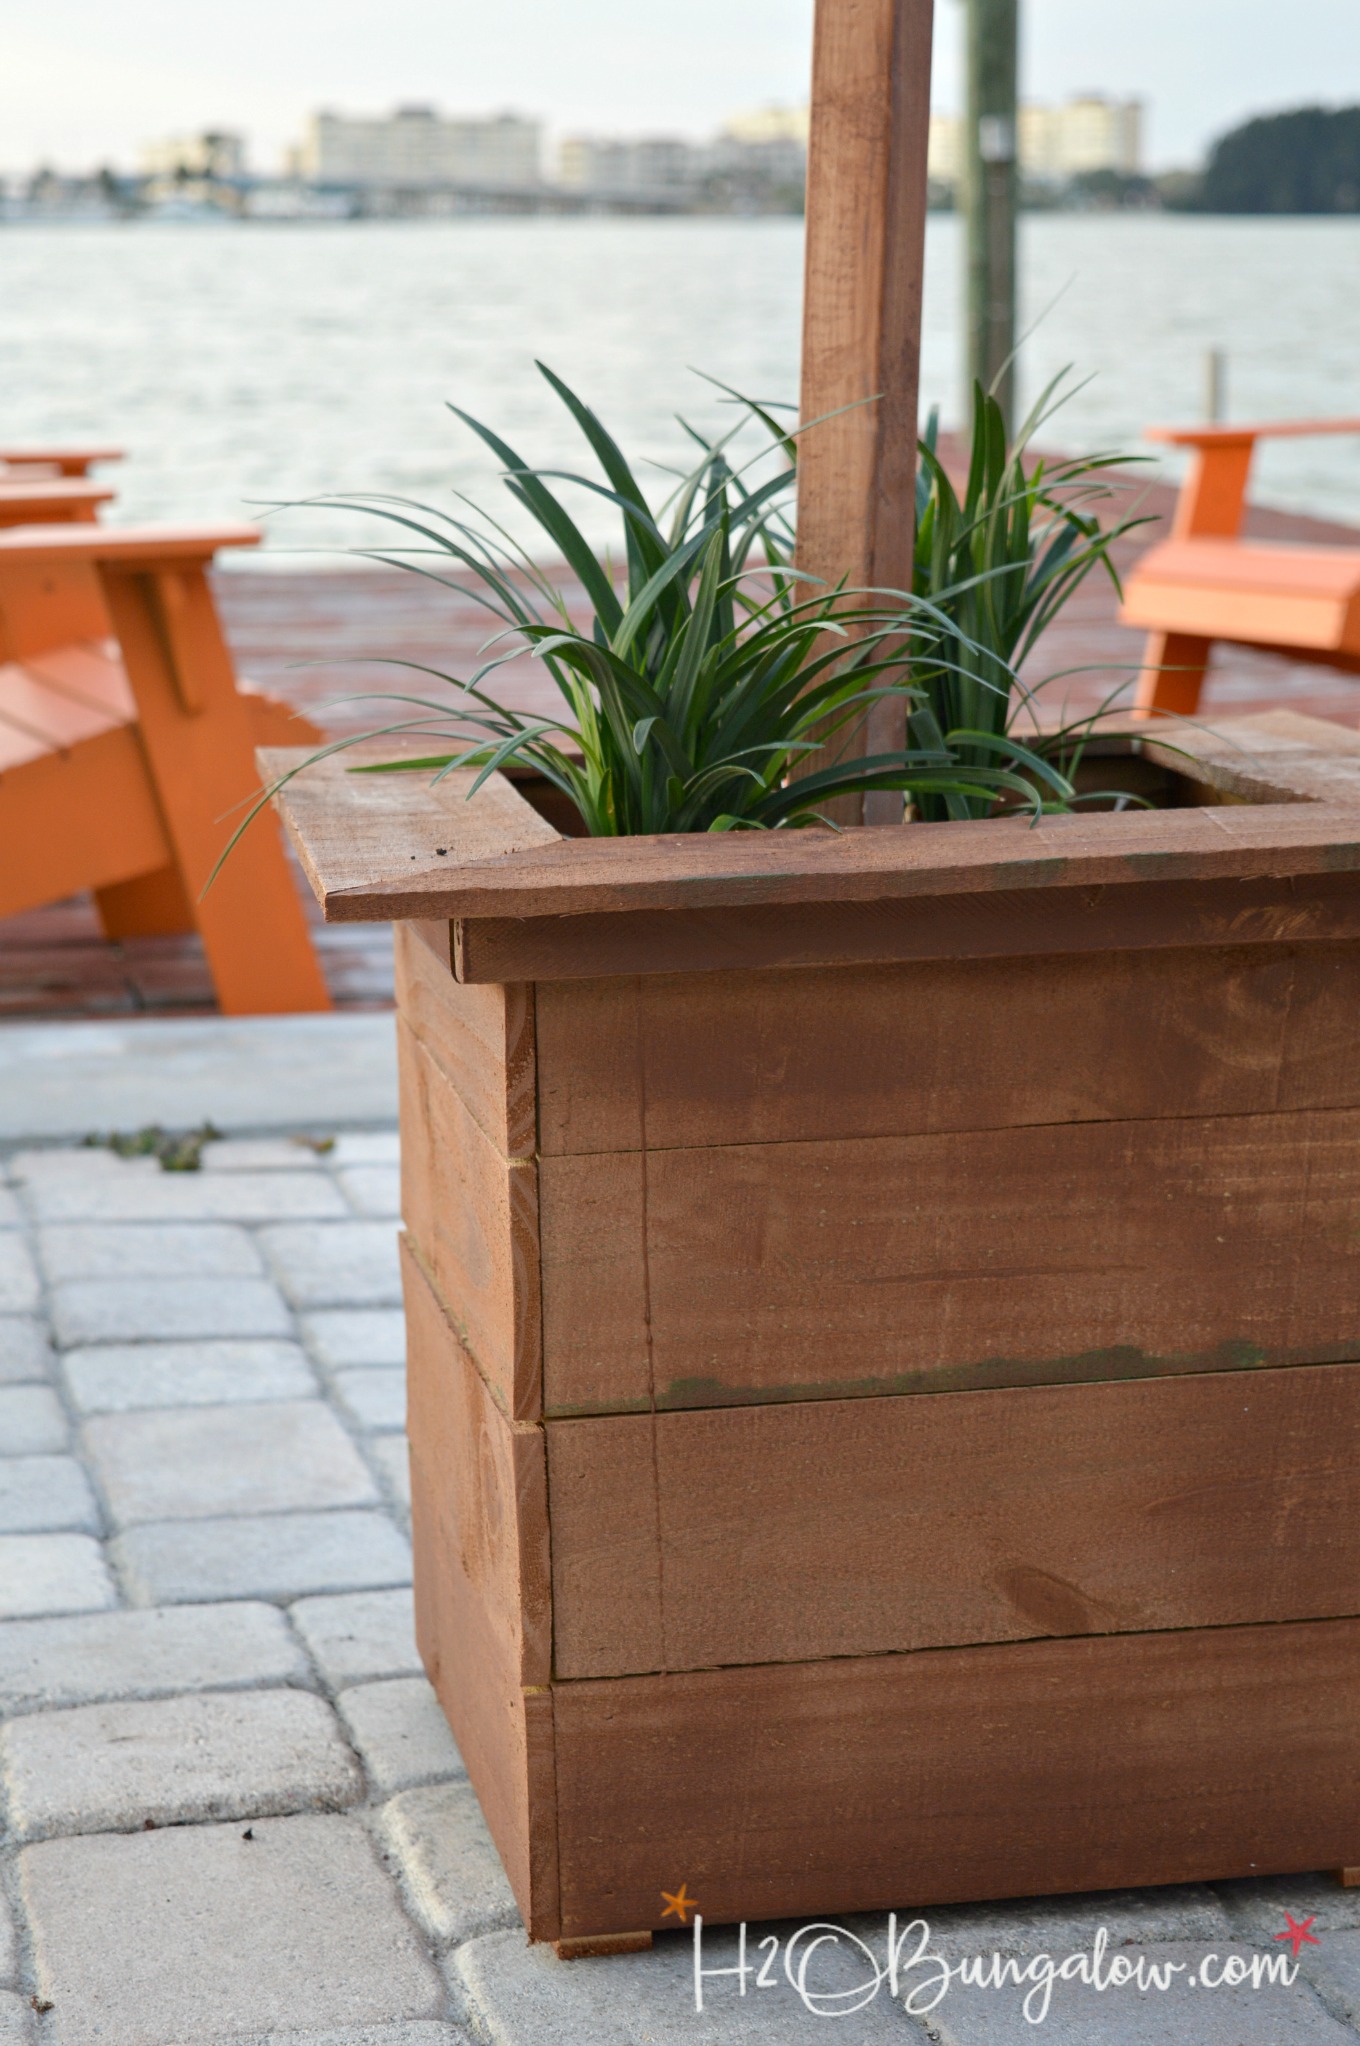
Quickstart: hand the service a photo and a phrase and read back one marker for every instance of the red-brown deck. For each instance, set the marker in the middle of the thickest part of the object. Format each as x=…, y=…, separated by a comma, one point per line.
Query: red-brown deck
x=305, y=635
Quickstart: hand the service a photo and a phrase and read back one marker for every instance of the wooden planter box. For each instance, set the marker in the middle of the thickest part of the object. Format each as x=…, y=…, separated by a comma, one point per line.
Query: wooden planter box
x=884, y=1335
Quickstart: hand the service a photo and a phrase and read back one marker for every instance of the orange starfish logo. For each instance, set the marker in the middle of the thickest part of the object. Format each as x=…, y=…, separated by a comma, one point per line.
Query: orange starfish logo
x=1299, y=1934
x=679, y=1905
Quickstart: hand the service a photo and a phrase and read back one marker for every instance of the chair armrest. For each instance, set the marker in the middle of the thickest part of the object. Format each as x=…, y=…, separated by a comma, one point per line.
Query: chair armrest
x=1234, y=436
x=66, y=461
x=124, y=546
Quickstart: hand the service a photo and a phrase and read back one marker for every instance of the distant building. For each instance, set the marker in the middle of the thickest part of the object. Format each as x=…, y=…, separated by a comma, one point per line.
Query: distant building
x=417, y=147
x=1055, y=143
x=613, y=167
x=215, y=156
x=1087, y=134
x=770, y=124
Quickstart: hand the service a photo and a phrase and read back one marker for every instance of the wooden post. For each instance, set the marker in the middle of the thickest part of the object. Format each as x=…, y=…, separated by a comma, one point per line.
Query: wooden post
x=989, y=189
x=866, y=212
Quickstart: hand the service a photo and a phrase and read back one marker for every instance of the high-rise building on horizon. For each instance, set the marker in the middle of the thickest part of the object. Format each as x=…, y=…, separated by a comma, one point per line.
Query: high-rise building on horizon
x=416, y=147
x=1056, y=143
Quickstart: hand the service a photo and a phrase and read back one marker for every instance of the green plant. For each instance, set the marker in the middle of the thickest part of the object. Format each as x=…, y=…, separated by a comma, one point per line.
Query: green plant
x=996, y=566
x=710, y=668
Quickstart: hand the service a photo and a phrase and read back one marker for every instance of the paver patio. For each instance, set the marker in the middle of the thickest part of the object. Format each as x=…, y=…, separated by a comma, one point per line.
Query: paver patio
x=232, y=1809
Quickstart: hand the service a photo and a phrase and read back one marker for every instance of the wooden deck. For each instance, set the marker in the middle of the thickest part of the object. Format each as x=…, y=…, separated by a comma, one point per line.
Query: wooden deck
x=316, y=636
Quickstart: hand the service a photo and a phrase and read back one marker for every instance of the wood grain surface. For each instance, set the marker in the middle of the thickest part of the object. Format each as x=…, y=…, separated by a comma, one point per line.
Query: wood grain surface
x=937, y=1263
x=895, y=1782
x=480, y=1533
x=474, y=1216
x=372, y=856
x=676, y=1060
x=481, y=1038
x=856, y=1527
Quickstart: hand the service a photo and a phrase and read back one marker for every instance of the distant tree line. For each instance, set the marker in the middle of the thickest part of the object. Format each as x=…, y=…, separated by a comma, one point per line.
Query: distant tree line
x=1307, y=161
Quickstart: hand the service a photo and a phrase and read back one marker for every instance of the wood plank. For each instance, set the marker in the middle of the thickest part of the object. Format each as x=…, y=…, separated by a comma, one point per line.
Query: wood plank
x=774, y=1056
x=474, y=1217
x=482, y=1038
x=863, y=1527
x=865, y=263
x=1273, y=756
x=810, y=1789
x=483, y=1623
x=396, y=832
x=355, y=832
x=942, y=1263
x=111, y=829
x=1311, y=909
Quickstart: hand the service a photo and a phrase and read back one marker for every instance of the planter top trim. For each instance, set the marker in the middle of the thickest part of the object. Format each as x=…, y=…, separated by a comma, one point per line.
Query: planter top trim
x=384, y=847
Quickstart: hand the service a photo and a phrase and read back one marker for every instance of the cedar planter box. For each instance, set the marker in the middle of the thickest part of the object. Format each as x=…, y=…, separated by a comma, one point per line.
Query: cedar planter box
x=884, y=1324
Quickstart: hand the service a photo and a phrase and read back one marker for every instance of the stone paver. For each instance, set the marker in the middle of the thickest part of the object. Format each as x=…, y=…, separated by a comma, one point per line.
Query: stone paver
x=198, y=1463
x=195, y=1934
x=18, y=1278
x=347, y=1336
x=128, y=1310
x=118, y=1378
x=392, y=1458
x=345, y=1264
x=281, y=1555
x=450, y=1870
x=376, y=1398
x=111, y=1250
x=59, y=1573
x=359, y=1635
x=366, y=1147
x=25, y=1352
x=1192, y=2007
x=261, y=1154
x=9, y=1945
x=31, y=1421
x=157, y=1196
x=400, y=1732
x=143, y=1653
x=373, y=1189
x=39, y=1494
x=16, y=2020
x=11, y=1214
x=114, y=1767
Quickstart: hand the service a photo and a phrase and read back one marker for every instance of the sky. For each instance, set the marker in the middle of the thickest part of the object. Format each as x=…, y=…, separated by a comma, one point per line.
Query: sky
x=90, y=81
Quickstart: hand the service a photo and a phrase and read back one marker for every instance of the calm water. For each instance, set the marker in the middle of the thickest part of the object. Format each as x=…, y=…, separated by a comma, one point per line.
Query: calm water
x=247, y=363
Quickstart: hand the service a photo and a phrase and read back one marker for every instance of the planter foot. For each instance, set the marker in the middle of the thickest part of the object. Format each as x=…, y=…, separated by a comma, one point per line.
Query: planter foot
x=620, y=1943
x=1349, y=1878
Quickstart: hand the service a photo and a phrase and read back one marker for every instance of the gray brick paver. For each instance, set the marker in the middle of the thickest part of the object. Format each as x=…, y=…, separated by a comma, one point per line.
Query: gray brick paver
x=17, y=2024
x=338, y=1264
x=450, y=1870
x=11, y=1214
x=131, y=1310
x=45, y=1494
x=393, y=1459
x=118, y=1378
x=139, y=1250
x=359, y=1635
x=284, y=1555
x=400, y=1733
x=193, y=1934
x=171, y=1761
x=87, y=1657
x=356, y=1336
x=31, y=1421
x=56, y=1573
x=9, y=1945
x=372, y=1189
x=19, y=1287
x=376, y=1398
x=199, y=1463
x=124, y=1195
x=25, y=1352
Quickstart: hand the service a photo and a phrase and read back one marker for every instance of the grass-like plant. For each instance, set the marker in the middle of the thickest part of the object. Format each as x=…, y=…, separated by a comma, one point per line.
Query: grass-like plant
x=994, y=567
x=710, y=669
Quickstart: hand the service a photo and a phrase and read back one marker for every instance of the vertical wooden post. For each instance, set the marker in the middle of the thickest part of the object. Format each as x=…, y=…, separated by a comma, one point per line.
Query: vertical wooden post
x=989, y=191
x=866, y=213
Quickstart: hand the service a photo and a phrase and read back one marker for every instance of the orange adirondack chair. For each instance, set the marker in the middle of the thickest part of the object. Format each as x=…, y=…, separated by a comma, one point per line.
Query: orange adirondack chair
x=122, y=762
x=49, y=486
x=1206, y=583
